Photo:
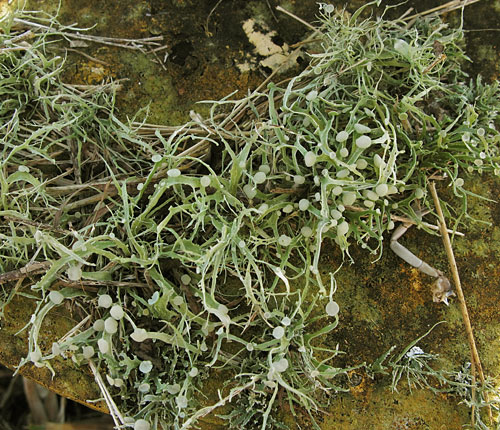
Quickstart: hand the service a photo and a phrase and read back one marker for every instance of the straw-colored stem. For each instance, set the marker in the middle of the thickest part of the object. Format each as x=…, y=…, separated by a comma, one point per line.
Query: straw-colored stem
x=458, y=287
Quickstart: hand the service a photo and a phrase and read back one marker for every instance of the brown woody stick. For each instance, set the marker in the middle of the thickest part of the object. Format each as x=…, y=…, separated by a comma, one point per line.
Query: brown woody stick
x=476, y=362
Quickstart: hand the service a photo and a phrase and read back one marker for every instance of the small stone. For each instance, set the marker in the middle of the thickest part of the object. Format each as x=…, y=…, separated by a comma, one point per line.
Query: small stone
x=56, y=297
x=74, y=273
x=141, y=425
x=278, y=332
x=104, y=301
x=103, y=345
x=332, y=308
x=117, y=312
x=146, y=366
x=110, y=325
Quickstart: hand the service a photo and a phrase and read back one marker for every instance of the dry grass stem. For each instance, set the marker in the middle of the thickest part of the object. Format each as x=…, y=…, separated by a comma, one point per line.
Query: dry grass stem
x=444, y=8
x=458, y=286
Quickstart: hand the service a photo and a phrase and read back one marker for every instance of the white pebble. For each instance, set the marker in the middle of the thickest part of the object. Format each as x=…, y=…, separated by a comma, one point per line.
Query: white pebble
x=342, y=136
x=260, y=178
x=110, y=325
x=173, y=173
x=263, y=207
x=141, y=425
x=103, y=345
x=280, y=365
x=139, y=335
x=278, y=332
x=104, y=301
x=205, y=181
x=337, y=190
x=310, y=159
x=178, y=301
x=332, y=308
x=348, y=198
x=378, y=162
x=181, y=402
x=303, y=204
x=264, y=168
x=392, y=189
x=74, y=273
x=146, y=366
x=250, y=191
x=361, y=163
x=306, y=231
x=284, y=240
x=343, y=228
x=88, y=351
x=344, y=152
x=98, y=325
x=361, y=128
x=311, y=95
x=56, y=297
x=144, y=387
x=363, y=142
x=335, y=214
x=382, y=189
x=299, y=179
x=343, y=173
x=372, y=195
x=117, y=312
x=173, y=389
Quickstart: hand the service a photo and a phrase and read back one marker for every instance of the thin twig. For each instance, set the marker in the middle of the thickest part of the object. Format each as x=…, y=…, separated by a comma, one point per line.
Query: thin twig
x=83, y=54
x=113, y=409
x=28, y=270
x=407, y=220
x=444, y=8
x=136, y=44
x=207, y=31
x=312, y=27
x=458, y=286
